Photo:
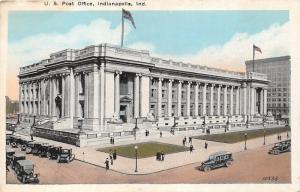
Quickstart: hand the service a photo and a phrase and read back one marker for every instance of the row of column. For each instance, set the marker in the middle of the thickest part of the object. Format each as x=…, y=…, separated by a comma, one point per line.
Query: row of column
x=232, y=111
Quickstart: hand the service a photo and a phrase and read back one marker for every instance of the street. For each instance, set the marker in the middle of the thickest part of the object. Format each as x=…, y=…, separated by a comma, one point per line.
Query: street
x=251, y=166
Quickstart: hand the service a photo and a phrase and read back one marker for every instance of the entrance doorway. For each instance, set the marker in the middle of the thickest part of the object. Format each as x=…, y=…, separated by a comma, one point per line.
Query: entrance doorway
x=123, y=113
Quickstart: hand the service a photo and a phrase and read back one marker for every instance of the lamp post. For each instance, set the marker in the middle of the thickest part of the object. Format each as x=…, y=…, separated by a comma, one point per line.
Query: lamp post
x=247, y=122
x=136, y=148
x=18, y=122
x=227, y=124
x=80, y=122
x=245, y=141
x=287, y=131
x=264, y=125
x=173, y=129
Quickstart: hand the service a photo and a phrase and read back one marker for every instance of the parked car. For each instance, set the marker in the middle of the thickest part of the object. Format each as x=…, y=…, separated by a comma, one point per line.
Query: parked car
x=24, y=143
x=44, y=149
x=216, y=160
x=14, y=140
x=29, y=147
x=16, y=157
x=53, y=152
x=281, y=147
x=65, y=155
x=25, y=172
x=9, y=155
x=36, y=148
x=8, y=138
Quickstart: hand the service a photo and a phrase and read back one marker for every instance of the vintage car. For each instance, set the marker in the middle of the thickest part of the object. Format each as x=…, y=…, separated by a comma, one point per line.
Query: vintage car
x=53, y=152
x=9, y=155
x=25, y=172
x=44, y=149
x=65, y=155
x=36, y=148
x=216, y=160
x=29, y=147
x=14, y=140
x=15, y=158
x=281, y=147
x=23, y=143
x=8, y=138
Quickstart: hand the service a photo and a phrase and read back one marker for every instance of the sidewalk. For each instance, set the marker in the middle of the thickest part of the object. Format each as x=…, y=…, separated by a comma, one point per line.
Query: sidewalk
x=151, y=165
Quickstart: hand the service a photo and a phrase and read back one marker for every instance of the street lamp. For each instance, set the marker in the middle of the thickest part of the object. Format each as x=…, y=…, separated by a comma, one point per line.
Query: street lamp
x=18, y=122
x=136, y=148
x=264, y=125
x=80, y=122
x=245, y=141
x=287, y=131
x=247, y=122
x=264, y=136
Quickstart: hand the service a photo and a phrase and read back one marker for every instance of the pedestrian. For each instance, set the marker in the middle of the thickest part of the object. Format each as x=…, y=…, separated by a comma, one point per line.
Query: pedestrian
x=190, y=139
x=183, y=142
x=115, y=155
x=278, y=137
x=160, y=133
x=157, y=156
x=191, y=148
x=162, y=156
x=111, y=159
x=205, y=145
x=113, y=140
x=106, y=164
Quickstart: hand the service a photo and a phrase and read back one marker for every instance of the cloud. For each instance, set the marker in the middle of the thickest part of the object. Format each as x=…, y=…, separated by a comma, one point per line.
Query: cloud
x=273, y=41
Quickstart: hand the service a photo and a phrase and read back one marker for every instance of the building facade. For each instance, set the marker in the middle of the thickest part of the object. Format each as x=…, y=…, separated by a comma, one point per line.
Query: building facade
x=278, y=70
x=103, y=84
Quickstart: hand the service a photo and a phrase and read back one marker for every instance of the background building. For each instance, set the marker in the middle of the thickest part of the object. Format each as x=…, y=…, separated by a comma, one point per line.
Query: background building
x=278, y=70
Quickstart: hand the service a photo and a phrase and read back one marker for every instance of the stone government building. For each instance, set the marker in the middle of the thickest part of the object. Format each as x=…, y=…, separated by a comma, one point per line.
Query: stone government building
x=108, y=87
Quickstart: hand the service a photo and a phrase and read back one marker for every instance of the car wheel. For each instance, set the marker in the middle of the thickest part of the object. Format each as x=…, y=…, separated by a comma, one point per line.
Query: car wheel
x=228, y=163
x=23, y=147
x=28, y=150
x=207, y=168
x=58, y=159
x=276, y=152
x=14, y=144
x=48, y=155
x=68, y=159
x=24, y=179
x=40, y=155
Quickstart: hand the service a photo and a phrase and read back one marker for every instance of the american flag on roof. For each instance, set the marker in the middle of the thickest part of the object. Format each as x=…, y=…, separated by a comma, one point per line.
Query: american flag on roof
x=127, y=15
x=255, y=48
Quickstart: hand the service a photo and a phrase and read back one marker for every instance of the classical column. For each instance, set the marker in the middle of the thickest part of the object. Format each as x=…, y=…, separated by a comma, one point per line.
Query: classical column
x=237, y=98
x=244, y=99
x=50, y=95
x=145, y=95
x=188, y=99
x=261, y=104
x=136, y=95
x=179, y=85
x=225, y=101
x=86, y=94
x=218, y=100
x=25, y=99
x=196, y=112
x=102, y=88
x=63, y=96
x=72, y=101
x=34, y=98
x=76, y=98
x=231, y=100
x=170, y=97
x=159, y=95
x=117, y=93
x=211, y=112
x=29, y=98
x=265, y=101
x=39, y=97
x=252, y=108
x=204, y=99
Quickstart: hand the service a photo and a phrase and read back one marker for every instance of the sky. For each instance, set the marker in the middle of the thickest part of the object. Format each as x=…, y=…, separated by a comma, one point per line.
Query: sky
x=221, y=39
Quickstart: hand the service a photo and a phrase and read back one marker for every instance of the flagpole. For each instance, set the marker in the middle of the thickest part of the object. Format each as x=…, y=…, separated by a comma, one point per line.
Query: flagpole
x=253, y=58
x=122, y=35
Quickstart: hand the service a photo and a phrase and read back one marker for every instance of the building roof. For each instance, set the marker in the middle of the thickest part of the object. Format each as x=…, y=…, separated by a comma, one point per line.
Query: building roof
x=268, y=60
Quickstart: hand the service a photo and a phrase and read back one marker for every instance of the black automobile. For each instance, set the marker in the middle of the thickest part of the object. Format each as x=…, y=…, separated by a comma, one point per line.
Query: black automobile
x=16, y=158
x=44, y=149
x=36, y=148
x=53, y=152
x=14, y=140
x=65, y=155
x=281, y=147
x=9, y=155
x=29, y=147
x=25, y=172
x=23, y=143
x=216, y=160
x=8, y=138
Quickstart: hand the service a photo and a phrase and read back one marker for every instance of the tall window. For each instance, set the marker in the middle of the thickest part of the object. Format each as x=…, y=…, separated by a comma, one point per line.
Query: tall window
x=123, y=85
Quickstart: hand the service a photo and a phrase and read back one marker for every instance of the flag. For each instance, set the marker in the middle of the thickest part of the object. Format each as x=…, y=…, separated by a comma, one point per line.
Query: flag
x=127, y=15
x=255, y=48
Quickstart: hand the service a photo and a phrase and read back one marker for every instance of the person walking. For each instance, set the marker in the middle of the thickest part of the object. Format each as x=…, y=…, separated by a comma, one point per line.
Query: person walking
x=205, y=145
x=31, y=136
x=160, y=134
x=191, y=148
x=190, y=139
x=162, y=156
x=115, y=155
x=106, y=164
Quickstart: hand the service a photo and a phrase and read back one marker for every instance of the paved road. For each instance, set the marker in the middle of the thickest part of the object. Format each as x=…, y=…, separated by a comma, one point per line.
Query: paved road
x=248, y=167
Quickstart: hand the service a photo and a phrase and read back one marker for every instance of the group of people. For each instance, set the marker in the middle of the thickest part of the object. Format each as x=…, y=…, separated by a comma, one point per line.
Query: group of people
x=147, y=133
x=279, y=137
x=110, y=160
x=160, y=156
x=112, y=140
x=184, y=141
